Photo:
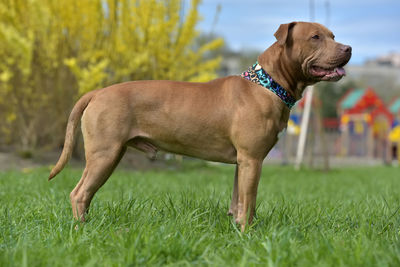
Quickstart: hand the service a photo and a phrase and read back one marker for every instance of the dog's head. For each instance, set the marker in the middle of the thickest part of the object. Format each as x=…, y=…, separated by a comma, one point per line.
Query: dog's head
x=312, y=47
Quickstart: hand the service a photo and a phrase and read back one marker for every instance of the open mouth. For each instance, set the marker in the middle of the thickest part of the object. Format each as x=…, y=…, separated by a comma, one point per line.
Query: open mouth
x=328, y=74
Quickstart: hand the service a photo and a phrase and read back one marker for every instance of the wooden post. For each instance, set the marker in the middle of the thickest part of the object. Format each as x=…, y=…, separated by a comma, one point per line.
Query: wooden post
x=370, y=143
x=345, y=140
x=321, y=134
x=398, y=151
x=388, y=152
x=311, y=142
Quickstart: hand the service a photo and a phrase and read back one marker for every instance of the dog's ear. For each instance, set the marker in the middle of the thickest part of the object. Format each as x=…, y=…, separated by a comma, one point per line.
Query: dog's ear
x=282, y=33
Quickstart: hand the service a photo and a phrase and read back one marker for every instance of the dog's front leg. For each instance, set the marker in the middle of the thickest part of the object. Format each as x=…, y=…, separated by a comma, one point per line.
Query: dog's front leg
x=249, y=170
x=233, y=209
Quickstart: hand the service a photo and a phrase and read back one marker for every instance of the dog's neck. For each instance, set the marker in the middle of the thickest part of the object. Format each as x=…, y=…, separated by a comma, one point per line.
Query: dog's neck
x=258, y=75
x=289, y=77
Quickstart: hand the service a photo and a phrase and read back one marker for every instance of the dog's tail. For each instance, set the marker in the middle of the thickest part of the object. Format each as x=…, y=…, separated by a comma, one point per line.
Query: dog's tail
x=70, y=133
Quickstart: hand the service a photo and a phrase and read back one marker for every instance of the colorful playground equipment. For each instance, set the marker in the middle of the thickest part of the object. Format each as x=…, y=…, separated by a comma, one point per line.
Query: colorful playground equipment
x=394, y=108
x=394, y=135
x=365, y=123
x=366, y=127
x=293, y=126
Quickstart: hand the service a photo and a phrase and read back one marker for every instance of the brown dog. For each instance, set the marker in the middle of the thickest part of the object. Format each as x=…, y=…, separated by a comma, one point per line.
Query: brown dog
x=231, y=119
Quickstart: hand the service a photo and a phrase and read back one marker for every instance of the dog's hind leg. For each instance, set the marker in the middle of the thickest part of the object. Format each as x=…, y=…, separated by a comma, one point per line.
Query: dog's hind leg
x=99, y=166
x=74, y=192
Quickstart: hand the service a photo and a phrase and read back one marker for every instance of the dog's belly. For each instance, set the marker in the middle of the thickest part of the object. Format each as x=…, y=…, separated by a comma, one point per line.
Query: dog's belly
x=220, y=151
x=214, y=152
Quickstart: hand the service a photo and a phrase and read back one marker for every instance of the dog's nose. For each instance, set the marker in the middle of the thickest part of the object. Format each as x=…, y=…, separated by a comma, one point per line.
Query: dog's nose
x=346, y=49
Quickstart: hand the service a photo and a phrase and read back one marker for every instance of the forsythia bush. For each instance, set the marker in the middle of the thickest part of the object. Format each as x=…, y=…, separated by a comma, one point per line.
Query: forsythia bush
x=54, y=51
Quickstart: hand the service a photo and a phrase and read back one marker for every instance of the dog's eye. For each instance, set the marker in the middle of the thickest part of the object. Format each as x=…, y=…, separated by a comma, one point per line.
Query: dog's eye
x=315, y=37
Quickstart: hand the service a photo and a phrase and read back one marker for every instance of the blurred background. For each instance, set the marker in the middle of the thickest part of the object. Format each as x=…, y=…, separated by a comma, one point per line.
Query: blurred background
x=52, y=52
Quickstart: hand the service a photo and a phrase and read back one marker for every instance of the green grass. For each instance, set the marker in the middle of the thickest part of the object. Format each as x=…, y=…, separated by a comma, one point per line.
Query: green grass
x=347, y=217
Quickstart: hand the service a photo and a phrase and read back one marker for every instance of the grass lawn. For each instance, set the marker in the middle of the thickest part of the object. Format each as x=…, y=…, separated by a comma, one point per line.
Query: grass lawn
x=347, y=217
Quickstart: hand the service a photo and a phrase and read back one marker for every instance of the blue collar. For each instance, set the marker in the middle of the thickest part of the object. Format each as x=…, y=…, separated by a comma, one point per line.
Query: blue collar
x=258, y=75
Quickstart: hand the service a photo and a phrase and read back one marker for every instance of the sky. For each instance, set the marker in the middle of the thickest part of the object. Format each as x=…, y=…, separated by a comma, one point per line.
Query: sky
x=372, y=28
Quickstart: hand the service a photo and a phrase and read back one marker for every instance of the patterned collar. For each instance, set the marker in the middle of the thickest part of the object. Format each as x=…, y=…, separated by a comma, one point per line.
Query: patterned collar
x=258, y=75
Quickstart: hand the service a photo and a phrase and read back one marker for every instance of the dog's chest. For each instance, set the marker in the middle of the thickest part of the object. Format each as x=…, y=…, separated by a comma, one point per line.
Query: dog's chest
x=282, y=126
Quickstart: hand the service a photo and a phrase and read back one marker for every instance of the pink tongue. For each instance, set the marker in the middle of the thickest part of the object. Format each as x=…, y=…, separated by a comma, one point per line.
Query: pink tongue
x=341, y=71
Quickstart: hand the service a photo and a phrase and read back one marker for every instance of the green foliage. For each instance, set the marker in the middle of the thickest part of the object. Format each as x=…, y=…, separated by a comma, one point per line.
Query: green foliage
x=345, y=217
x=54, y=51
x=330, y=93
